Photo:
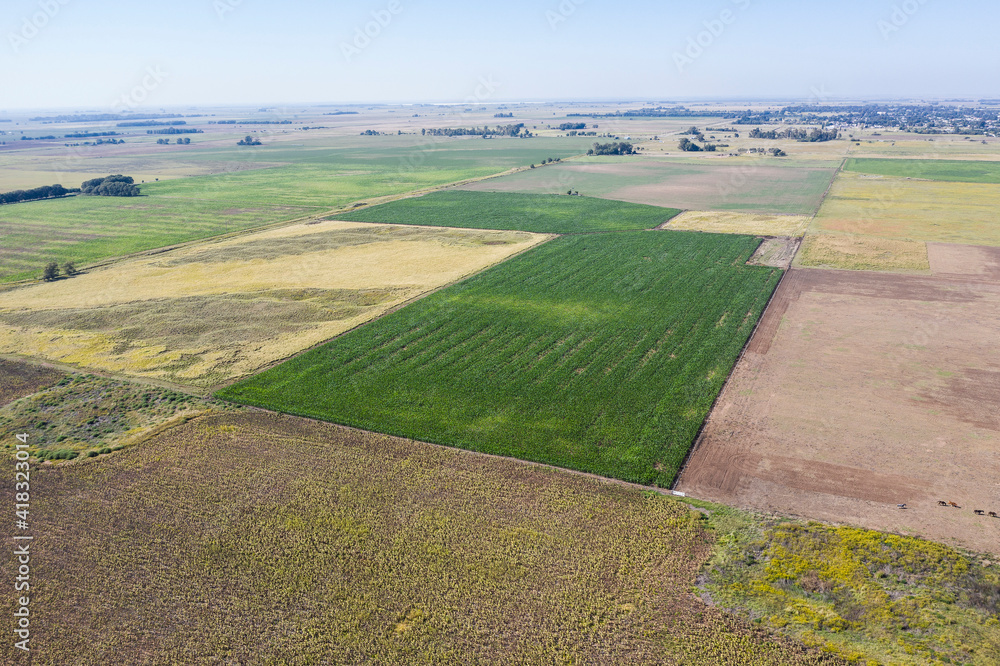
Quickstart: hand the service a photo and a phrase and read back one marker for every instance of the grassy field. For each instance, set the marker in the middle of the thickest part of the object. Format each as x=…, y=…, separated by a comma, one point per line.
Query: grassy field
x=963, y=213
x=213, y=312
x=260, y=539
x=87, y=229
x=542, y=213
x=862, y=253
x=959, y=171
x=363, y=167
x=258, y=186
x=740, y=223
x=600, y=353
x=868, y=596
x=739, y=184
x=83, y=415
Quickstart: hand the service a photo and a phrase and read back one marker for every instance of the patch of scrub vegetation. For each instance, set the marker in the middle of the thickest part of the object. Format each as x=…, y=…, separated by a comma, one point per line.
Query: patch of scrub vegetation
x=958, y=171
x=598, y=352
x=862, y=253
x=870, y=597
x=323, y=545
x=540, y=213
x=84, y=415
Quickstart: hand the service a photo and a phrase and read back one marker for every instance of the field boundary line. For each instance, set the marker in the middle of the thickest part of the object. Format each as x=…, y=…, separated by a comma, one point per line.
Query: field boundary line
x=819, y=206
x=739, y=359
x=76, y=370
x=665, y=492
x=545, y=240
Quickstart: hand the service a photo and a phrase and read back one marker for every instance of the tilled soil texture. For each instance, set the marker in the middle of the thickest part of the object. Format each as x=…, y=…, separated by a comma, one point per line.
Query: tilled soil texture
x=255, y=538
x=863, y=391
x=19, y=379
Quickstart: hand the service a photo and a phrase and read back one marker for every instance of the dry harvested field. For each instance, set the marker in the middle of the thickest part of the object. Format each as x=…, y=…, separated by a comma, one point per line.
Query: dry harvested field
x=740, y=223
x=863, y=253
x=255, y=538
x=861, y=391
x=18, y=379
x=741, y=184
x=216, y=311
x=910, y=209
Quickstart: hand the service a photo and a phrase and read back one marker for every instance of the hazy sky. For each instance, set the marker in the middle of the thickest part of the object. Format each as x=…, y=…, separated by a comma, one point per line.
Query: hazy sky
x=145, y=54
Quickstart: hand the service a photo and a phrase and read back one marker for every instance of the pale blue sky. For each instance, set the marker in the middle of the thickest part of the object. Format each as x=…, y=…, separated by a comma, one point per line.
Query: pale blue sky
x=88, y=53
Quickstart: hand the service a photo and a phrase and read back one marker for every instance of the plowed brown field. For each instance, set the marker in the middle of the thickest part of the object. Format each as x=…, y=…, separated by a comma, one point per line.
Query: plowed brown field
x=861, y=391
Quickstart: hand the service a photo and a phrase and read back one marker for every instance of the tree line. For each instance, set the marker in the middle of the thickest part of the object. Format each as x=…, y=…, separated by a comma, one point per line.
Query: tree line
x=515, y=130
x=43, y=192
x=174, y=130
x=796, y=134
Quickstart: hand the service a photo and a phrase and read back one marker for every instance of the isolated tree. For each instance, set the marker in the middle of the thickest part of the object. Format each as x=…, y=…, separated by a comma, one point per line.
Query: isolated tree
x=51, y=271
x=69, y=269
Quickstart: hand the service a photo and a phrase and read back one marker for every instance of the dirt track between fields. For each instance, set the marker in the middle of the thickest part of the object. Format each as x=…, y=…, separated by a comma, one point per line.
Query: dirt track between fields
x=861, y=391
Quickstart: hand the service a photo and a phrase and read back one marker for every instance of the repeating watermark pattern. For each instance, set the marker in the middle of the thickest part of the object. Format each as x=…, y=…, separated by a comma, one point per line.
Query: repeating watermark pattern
x=152, y=79
x=32, y=25
x=365, y=35
x=223, y=7
x=714, y=29
x=900, y=16
x=22, y=544
x=562, y=13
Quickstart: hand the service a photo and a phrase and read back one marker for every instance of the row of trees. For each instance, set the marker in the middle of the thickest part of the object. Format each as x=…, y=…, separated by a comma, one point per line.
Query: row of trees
x=116, y=185
x=174, y=130
x=614, y=148
x=515, y=130
x=795, y=133
x=43, y=192
x=180, y=140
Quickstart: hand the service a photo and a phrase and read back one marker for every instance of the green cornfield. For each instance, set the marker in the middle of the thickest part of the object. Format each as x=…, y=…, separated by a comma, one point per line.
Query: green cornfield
x=600, y=353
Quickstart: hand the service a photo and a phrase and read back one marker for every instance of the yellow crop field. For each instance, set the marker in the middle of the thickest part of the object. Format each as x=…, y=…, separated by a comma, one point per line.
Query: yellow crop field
x=217, y=311
x=919, y=210
x=862, y=253
x=740, y=223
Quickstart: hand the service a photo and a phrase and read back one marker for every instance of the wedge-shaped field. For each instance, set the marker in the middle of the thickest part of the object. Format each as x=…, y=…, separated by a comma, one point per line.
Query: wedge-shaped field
x=960, y=171
x=543, y=213
x=601, y=353
x=739, y=184
x=740, y=223
x=921, y=210
x=217, y=311
x=262, y=539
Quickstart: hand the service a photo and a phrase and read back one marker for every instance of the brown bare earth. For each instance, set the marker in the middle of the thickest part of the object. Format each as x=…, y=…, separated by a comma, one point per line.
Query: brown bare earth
x=861, y=391
x=776, y=252
x=255, y=538
x=18, y=379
